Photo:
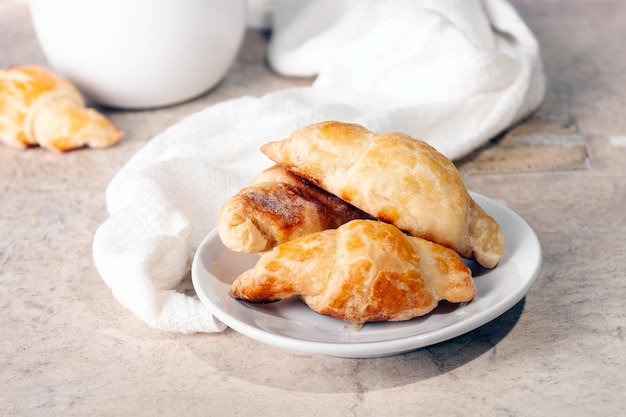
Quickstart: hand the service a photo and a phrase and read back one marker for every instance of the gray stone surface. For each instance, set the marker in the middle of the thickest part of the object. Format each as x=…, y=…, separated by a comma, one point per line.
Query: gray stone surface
x=68, y=348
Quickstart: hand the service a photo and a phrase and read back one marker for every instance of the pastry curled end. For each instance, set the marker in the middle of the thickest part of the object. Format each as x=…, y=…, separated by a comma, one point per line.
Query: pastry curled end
x=277, y=207
x=363, y=271
x=487, y=239
x=395, y=178
x=37, y=107
x=241, y=234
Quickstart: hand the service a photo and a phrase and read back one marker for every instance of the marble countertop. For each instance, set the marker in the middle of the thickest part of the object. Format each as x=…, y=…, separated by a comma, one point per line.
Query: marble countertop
x=68, y=348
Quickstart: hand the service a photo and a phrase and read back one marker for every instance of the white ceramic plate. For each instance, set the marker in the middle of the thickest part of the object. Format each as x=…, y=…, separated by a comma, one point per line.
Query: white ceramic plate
x=292, y=325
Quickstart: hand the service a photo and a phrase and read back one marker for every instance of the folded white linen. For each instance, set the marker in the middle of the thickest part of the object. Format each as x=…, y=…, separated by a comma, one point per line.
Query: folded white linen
x=452, y=72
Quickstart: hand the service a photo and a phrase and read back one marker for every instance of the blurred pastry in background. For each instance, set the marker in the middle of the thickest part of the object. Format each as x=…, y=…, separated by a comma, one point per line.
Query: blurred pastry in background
x=39, y=108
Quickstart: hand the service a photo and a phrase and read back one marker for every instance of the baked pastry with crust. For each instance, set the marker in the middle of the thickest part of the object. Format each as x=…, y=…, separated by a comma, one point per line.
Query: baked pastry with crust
x=37, y=107
x=363, y=271
x=279, y=206
x=395, y=178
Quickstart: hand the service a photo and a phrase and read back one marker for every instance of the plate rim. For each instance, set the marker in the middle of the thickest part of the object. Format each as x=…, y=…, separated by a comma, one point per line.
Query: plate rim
x=385, y=347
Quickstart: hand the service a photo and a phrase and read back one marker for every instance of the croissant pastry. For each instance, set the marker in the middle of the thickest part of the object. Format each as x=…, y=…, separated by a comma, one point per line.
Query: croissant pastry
x=363, y=271
x=38, y=107
x=278, y=206
x=396, y=178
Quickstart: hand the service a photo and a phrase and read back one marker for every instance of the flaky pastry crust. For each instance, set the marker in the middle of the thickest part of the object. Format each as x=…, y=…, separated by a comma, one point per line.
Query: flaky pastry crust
x=364, y=271
x=395, y=178
x=277, y=207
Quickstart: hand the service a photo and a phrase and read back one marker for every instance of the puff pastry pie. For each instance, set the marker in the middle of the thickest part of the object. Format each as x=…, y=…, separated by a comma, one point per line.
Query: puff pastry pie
x=278, y=206
x=395, y=178
x=37, y=107
x=364, y=271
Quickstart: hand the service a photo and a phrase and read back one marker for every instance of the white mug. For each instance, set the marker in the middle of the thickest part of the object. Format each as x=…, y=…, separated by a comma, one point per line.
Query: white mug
x=136, y=54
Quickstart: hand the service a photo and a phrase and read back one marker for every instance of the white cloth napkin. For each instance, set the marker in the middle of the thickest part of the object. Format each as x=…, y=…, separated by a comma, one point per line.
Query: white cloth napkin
x=452, y=72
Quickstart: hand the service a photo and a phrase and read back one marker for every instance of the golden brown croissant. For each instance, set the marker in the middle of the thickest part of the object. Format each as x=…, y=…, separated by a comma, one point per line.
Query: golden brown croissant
x=396, y=178
x=364, y=271
x=278, y=206
x=38, y=107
